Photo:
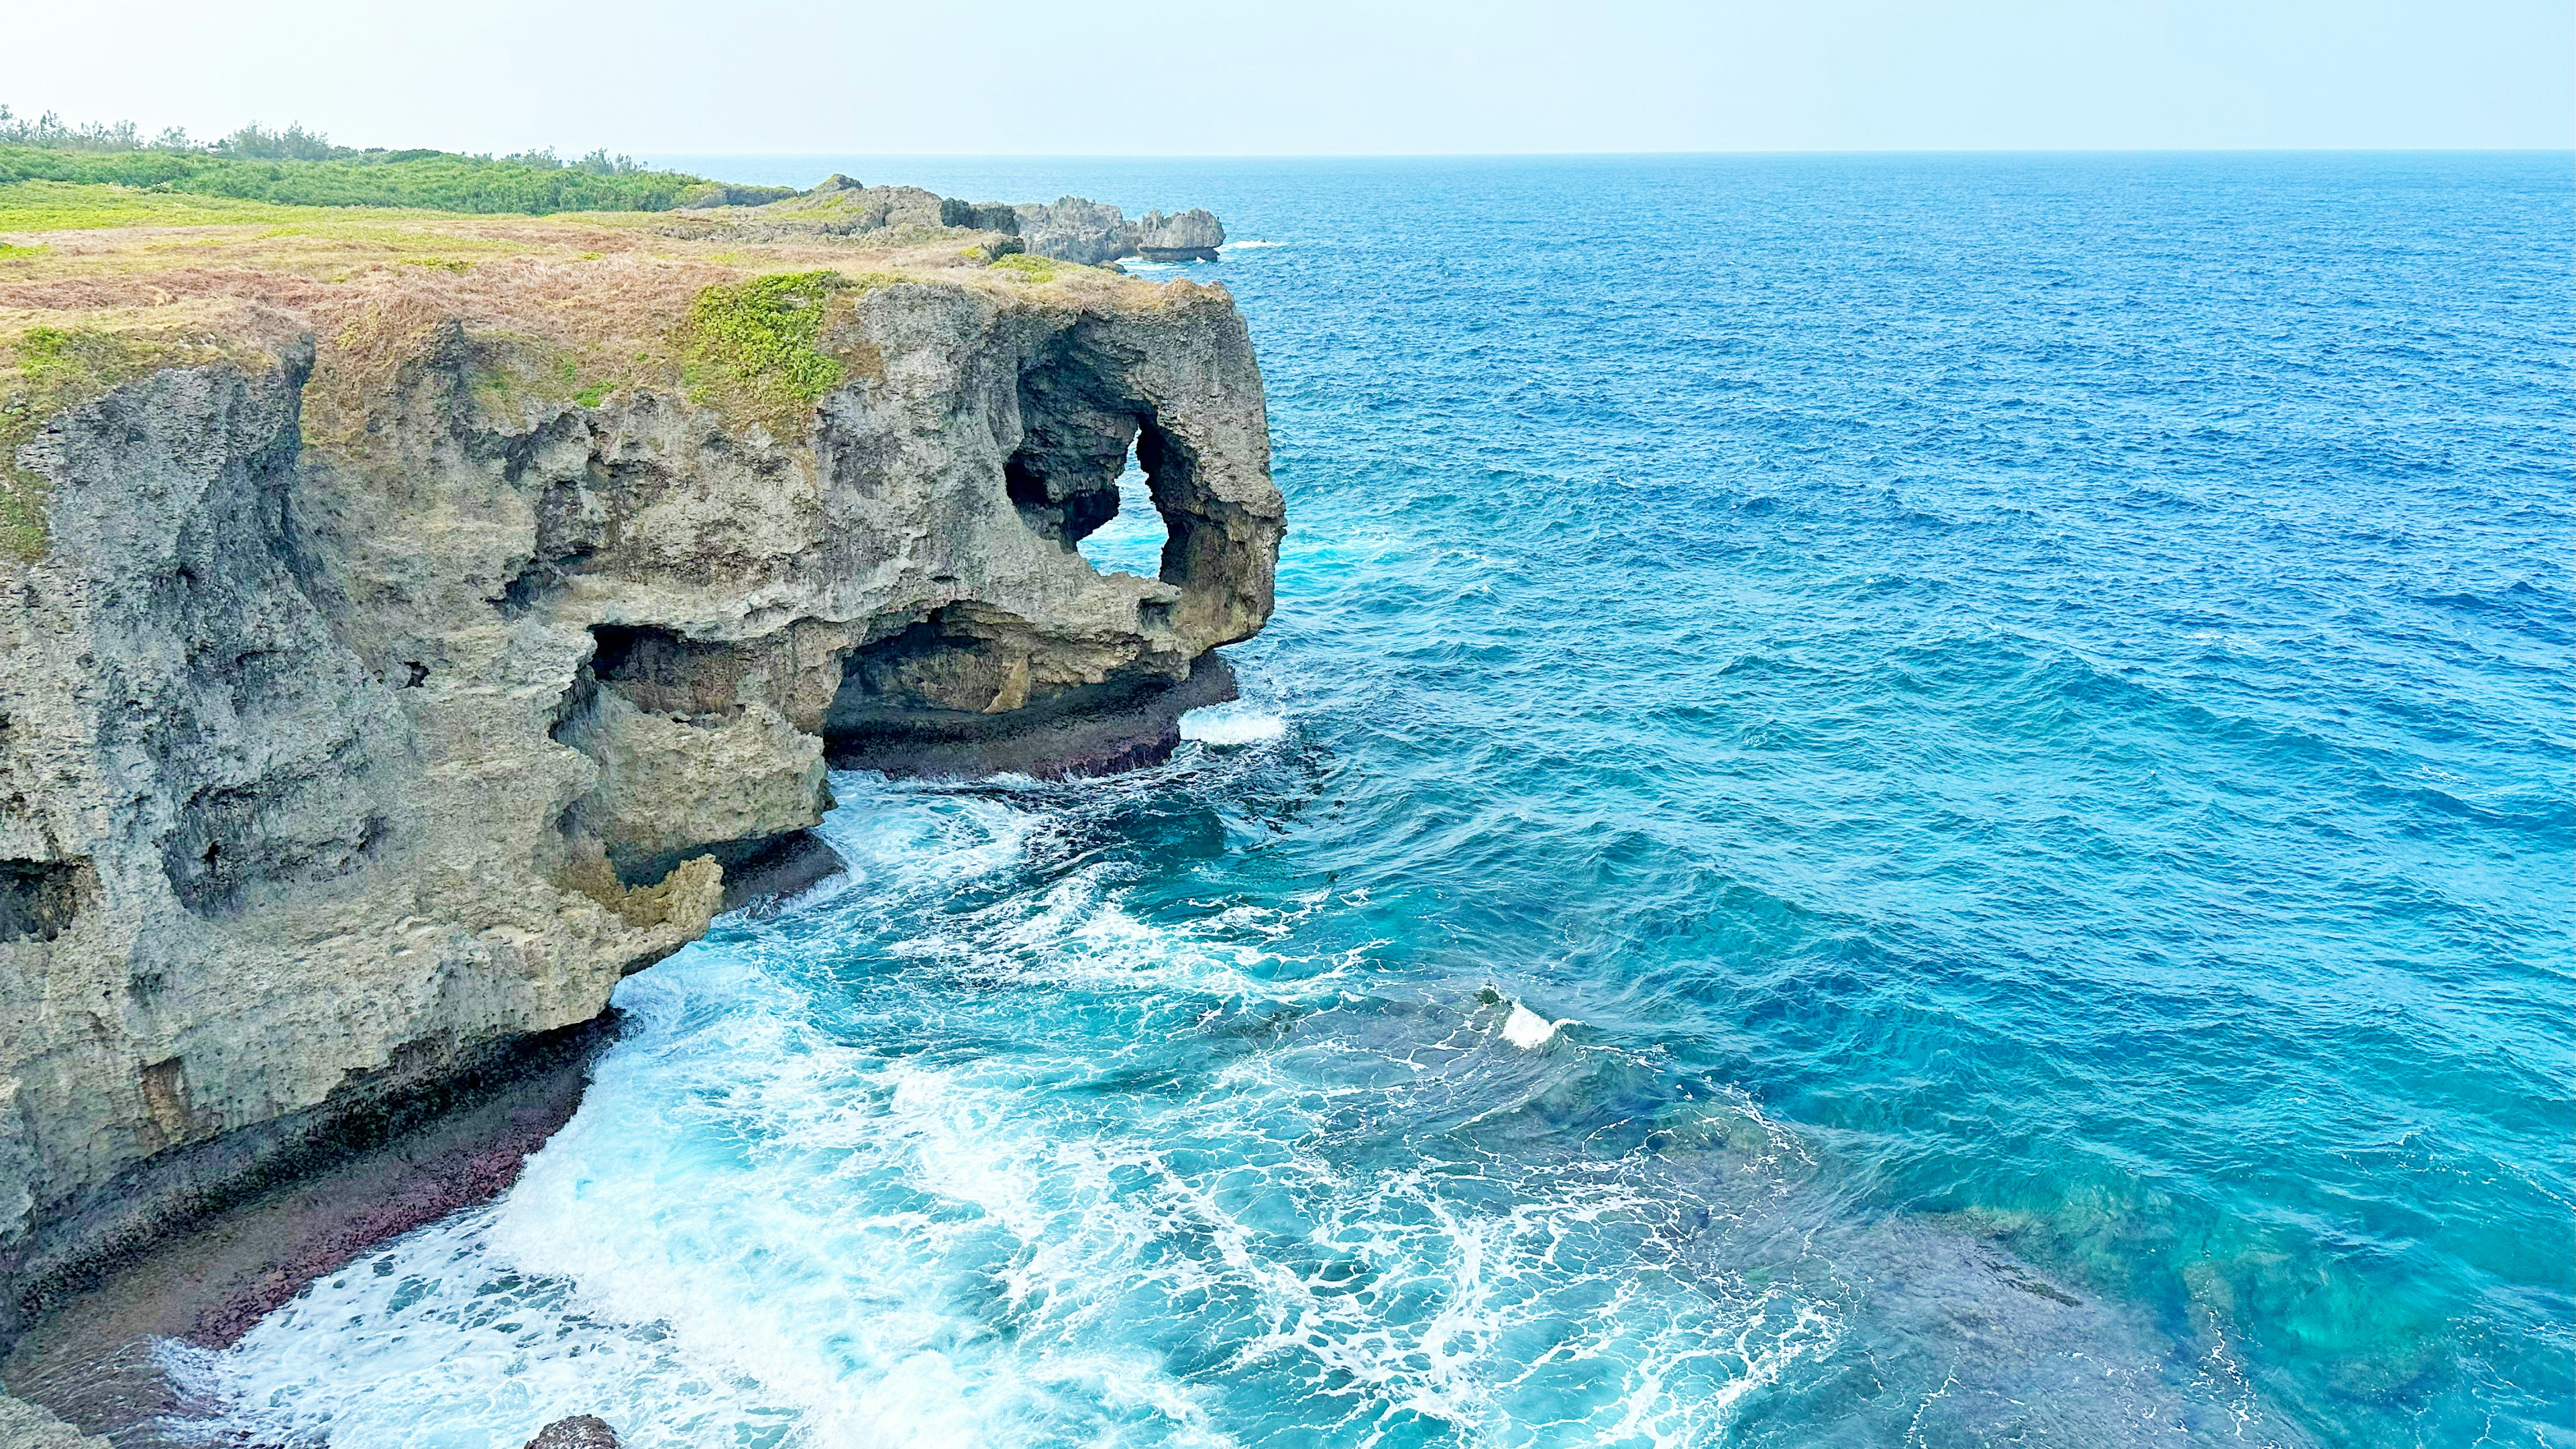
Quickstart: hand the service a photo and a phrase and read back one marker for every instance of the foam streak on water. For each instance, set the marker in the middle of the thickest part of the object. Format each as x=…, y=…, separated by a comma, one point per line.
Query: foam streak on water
x=1014, y=1170
x=970, y=1152
x=2013, y=714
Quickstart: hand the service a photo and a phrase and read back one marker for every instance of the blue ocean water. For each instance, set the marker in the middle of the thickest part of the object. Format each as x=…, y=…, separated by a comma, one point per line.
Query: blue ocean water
x=1894, y=801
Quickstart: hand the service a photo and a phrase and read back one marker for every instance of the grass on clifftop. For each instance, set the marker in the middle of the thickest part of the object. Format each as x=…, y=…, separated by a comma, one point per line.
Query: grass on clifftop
x=69, y=206
x=563, y=283
x=1030, y=267
x=730, y=308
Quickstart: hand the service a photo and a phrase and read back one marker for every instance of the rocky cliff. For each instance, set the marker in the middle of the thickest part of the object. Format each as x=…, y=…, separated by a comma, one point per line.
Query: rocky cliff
x=406, y=624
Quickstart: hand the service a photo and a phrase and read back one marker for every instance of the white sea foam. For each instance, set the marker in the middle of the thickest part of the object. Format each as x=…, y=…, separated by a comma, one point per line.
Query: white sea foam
x=954, y=1187
x=1234, y=723
x=1528, y=1030
x=1248, y=244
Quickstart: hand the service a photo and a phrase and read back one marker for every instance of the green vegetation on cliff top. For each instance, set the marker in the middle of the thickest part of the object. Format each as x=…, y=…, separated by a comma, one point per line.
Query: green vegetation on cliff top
x=570, y=307
x=431, y=179
x=294, y=167
x=1030, y=267
x=30, y=206
x=757, y=340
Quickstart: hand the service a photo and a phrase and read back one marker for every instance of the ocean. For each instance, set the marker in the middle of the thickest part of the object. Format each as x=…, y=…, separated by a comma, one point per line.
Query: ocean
x=1906, y=800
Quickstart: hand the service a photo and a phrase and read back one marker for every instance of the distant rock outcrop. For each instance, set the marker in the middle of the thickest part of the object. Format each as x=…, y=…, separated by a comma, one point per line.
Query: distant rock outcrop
x=1070, y=229
x=1076, y=229
x=1192, y=235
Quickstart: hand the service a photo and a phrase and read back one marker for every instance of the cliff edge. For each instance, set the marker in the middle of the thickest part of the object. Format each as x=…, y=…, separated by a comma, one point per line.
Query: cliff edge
x=408, y=621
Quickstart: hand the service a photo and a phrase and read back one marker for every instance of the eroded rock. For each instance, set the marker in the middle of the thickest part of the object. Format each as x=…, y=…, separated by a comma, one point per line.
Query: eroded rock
x=1074, y=229
x=1069, y=229
x=1192, y=235
x=26, y=1426
x=383, y=698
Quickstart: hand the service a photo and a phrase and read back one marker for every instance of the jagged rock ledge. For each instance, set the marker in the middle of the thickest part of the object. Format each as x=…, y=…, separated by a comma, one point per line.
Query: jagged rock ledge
x=1070, y=229
x=409, y=626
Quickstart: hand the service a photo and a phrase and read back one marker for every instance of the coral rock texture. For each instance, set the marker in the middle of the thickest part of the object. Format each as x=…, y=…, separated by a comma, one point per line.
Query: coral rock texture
x=581, y=1431
x=1192, y=235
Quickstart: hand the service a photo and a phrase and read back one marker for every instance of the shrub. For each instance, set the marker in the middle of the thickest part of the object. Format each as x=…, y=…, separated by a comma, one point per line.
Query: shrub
x=1030, y=267
x=296, y=167
x=753, y=343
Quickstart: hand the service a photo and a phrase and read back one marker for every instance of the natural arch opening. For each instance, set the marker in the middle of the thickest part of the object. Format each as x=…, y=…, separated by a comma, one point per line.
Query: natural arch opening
x=1088, y=460
x=1131, y=539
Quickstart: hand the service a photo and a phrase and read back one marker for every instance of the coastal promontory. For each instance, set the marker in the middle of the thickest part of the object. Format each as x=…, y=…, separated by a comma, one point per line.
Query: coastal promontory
x=412, y=623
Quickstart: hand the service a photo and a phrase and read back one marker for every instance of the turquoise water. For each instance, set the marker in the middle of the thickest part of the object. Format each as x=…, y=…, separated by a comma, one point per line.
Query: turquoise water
x=1893, y=802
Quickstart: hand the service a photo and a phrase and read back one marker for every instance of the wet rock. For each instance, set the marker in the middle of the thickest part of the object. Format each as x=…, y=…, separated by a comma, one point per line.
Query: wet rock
x=783, y=869
x=581, y=1431
x=1103, y=737
x=25, y=1426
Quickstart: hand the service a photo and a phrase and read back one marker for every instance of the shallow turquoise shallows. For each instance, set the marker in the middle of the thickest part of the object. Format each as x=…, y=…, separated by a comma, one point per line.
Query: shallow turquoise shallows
x=1893, y=802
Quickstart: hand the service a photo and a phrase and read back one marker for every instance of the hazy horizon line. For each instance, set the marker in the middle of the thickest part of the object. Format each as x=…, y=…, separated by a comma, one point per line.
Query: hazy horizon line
x=2569, y=150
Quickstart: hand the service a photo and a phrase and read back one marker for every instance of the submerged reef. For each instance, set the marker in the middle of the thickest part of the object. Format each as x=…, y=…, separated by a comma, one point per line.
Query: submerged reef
x=410, y=624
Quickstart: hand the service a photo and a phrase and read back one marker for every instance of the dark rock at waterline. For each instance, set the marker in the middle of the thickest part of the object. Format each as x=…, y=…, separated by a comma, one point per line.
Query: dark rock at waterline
x=1098, y=734
x=93, y=1354
x=787, y=867
x=581, y=1431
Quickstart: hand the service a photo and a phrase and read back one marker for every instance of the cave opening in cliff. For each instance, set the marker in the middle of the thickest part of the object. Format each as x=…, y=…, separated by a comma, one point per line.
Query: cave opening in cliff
x=38, y=898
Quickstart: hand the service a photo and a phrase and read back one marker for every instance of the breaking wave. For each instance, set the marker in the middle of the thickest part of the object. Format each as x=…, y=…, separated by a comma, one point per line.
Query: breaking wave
x=1233, y=724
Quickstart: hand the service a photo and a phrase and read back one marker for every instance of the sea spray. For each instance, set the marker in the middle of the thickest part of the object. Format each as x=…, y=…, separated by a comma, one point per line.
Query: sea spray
x=1233, y=724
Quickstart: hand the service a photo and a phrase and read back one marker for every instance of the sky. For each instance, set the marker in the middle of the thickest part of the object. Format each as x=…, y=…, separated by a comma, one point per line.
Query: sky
x=1311, y=77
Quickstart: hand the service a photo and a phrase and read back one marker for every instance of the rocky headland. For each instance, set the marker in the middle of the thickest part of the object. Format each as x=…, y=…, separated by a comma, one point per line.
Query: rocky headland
x=1070, y=229
x=412, y=624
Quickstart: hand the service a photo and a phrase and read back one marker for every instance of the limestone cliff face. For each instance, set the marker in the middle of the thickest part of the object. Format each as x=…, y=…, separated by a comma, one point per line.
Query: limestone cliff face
x=371, y=704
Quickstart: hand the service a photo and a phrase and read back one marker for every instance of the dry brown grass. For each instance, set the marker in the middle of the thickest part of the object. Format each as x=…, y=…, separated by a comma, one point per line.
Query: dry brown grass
x=560, y=309
x=582, y=281
x=549, y=308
